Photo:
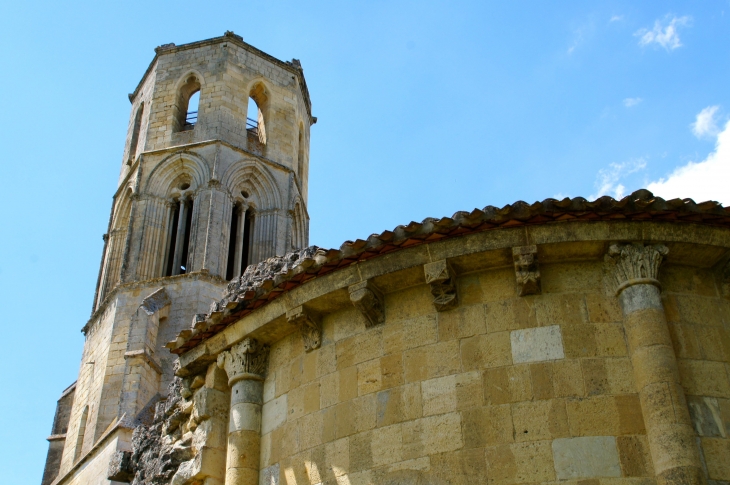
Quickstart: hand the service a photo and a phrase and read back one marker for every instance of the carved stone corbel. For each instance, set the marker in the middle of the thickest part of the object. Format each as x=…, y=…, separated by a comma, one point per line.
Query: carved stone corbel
x=442, y=279
x=309, y=326
x=527, y=270
x=369, y=300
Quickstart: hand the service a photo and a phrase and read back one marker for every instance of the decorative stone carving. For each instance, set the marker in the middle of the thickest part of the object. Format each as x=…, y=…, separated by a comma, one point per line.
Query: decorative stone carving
x=442, y=278
x=248, y=359
x=631, y=264
x=527, y=271
x=155, y=301
x=369, y=300
x=309, y=326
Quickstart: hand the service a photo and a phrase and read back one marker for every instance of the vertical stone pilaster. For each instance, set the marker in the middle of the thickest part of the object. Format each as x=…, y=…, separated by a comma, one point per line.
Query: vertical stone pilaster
x=245, y=363
x=674, y=451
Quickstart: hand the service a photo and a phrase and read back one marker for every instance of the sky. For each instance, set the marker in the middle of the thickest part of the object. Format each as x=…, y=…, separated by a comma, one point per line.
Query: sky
x=424, y=108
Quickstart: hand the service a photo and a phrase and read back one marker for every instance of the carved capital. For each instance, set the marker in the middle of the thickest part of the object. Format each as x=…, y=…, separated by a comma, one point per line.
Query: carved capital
x=248, y=359
x=442, y=279
x=527, y=270
x=632, y=264
x=309, y=326
x=369, y=300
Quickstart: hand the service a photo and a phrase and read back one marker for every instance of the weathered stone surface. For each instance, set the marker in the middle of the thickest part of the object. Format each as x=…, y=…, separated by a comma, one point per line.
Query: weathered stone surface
x=587, y=457
x=308, y=325
x=441, y=277
x=537, y=344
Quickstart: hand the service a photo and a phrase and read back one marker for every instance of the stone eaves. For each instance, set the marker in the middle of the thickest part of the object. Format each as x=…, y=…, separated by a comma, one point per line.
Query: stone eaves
x=269, y=279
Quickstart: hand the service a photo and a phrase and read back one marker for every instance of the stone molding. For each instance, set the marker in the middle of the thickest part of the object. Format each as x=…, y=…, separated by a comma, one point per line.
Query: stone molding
x=369, y=300
x=527, y=270
x=634, y=264
x=155, y=301
x=248, y=359
x=309, y=326
x=442, y=279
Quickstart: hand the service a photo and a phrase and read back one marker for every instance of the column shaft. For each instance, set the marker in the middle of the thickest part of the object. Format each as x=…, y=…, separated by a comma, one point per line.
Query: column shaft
x=238, y=256
x=668, y=426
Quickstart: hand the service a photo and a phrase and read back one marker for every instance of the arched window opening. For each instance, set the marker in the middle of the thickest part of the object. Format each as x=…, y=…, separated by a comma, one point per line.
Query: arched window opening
x=191, y=116
x=239, y=242
x=186, y=105
x=300, y=158
x=178, y=246
x=135, y=134
x=256, y=121
x=81, y=433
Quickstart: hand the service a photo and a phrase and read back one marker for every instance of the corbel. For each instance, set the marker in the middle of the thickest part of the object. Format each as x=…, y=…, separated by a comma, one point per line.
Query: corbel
x=309, y=326
x=527, y=270
x=442, y=279
x=369, y=300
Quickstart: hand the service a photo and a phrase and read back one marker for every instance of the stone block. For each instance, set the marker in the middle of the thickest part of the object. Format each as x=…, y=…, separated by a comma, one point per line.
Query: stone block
x=594, y=416
x=431, y=435
x=507, y=384
x=540, y=420
x=462, y=322
x=211, y=403
x=439, y=395
x=487, y=426
x=270, y=475
x=530, y=462
x=245, y=416
x=586, y=457
x=273, y=414
x=510, y=314
x=399, y=404
x=464, y=467
x=717, y=451
x=431, y=361
x=359, y=348
x=348, y=383
x=387, y=445
x=603, y=308
x=634, y=455
x=369, y=377
x=568, y=378
x=391, y=369
x=706, y=416
x=410, y=333
x=537, y=344
x=703, y=378
x=310, y=430
x=484, y=351
x=120, y=469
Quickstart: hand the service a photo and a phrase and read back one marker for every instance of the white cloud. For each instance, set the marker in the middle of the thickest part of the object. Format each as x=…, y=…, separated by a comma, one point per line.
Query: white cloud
x=701, y=181
x=616, y=18
x=664, y=32
x=608, y=179
x=705, y=124
x=629, y=102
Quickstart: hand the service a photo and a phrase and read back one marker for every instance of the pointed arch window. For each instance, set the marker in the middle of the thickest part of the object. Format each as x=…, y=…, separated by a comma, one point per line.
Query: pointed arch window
x=256, y=120
x=300, y=158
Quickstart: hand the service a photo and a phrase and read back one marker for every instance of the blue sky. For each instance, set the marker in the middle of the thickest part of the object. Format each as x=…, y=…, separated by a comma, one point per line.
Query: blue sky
x=424, y=108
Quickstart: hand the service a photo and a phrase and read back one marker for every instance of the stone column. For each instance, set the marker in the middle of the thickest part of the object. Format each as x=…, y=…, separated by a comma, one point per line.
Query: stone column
x=666, y=415
x=180, y=237
x=238, y=255
x=245, y=363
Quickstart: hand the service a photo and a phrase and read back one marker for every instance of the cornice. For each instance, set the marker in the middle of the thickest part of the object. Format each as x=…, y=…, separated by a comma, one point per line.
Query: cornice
x=268, y=280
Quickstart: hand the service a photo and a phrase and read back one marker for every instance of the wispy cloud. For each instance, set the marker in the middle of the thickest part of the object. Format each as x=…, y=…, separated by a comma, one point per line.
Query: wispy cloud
x=630, y=102
x=665, y=32
x=608, y=180
x=616, y=18
x=705, y=125
x=704, y=180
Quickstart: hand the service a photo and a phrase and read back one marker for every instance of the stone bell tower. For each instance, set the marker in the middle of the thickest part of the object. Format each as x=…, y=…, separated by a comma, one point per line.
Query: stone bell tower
x=206, y=188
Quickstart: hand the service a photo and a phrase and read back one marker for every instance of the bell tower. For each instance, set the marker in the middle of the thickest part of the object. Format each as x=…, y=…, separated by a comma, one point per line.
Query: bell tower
x=213, y=178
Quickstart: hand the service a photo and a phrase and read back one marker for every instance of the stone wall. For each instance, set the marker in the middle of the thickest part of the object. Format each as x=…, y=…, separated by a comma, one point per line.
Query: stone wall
x=427, y=365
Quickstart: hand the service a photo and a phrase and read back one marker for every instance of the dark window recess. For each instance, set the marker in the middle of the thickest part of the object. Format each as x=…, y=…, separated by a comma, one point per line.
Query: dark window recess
x=186, y=246
x=173, y=240
x=247, y=226
x=232, y=243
